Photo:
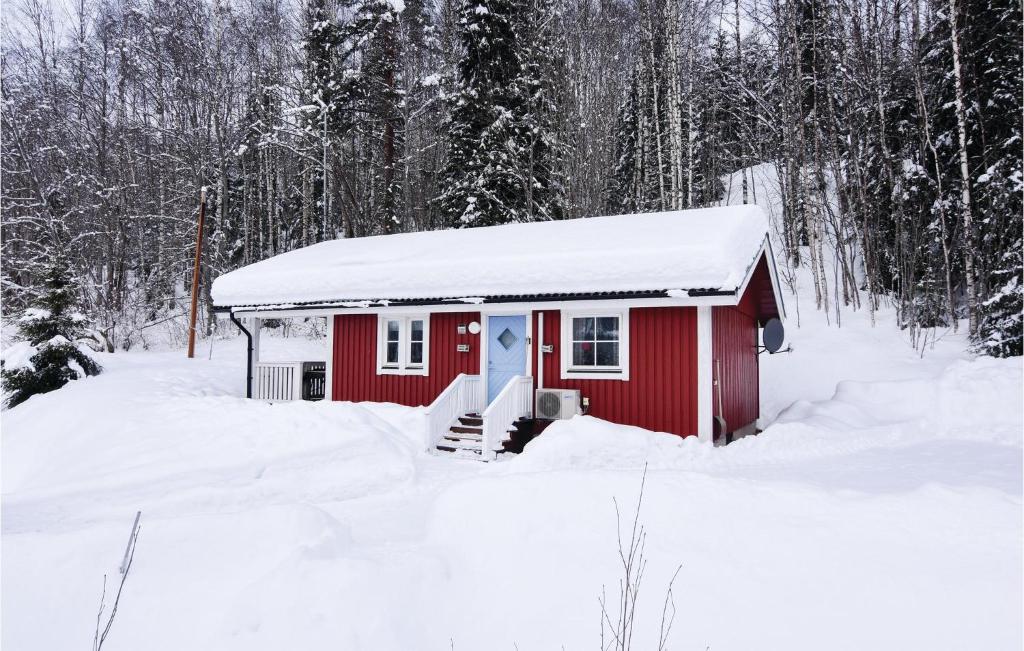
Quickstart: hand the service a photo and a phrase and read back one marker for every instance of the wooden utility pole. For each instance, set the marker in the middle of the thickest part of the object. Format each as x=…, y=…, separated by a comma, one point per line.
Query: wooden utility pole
x=195, y=275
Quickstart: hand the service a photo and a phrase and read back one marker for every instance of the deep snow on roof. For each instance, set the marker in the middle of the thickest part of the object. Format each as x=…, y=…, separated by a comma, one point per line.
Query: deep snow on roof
x=707, y=249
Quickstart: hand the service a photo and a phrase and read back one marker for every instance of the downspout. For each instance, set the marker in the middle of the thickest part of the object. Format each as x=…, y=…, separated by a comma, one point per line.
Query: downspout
x=248, y=356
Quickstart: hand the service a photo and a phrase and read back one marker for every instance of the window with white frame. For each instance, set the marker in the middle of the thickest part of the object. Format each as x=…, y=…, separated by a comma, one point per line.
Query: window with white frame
x=402, y=345
x=595, y=345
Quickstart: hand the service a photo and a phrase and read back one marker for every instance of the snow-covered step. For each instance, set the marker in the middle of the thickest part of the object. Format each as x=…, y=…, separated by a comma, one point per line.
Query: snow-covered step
x=452, y=436
x=459, y=445
x=465, y=438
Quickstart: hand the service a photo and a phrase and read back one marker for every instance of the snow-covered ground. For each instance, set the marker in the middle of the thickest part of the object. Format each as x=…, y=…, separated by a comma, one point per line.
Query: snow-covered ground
x=884, y=513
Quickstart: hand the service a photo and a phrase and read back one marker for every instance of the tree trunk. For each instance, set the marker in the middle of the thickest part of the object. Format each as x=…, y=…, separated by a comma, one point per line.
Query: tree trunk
x=965, y=176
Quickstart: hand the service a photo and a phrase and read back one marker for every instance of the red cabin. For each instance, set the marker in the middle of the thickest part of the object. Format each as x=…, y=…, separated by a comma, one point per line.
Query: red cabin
x=649, y=320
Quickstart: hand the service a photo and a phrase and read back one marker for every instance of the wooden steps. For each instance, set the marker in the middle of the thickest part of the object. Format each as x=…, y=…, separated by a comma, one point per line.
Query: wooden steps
x=466, y=437
x=522, y=432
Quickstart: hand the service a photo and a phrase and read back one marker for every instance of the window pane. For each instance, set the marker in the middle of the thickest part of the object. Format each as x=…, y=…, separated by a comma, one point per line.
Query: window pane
x=416, y=352
x=608, y=328
x=607, y=353
x=392, y=330
x=583, y=354
x=583, y=328
x=417, y=330
x=392, y=352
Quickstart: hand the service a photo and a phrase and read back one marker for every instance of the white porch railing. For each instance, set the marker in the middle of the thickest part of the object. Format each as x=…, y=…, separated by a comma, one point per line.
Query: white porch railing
x=463, y=396
x=277, y=381
x=514, y=402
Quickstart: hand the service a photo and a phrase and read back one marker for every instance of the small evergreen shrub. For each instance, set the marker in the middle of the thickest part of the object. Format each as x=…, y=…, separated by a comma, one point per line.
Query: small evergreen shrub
x=1001, y=330
x=49, y=356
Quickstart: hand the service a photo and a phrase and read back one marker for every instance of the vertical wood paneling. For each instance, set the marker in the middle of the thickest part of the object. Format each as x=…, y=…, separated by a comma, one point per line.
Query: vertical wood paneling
x=661, y=392
x=660, y=395
x=734, y=345
x=355, y=365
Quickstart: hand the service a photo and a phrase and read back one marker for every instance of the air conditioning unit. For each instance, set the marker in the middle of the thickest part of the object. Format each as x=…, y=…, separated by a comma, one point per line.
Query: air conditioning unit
x=553, y=404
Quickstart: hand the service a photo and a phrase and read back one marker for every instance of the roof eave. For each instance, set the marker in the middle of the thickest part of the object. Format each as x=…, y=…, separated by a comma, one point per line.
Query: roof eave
x=342, y=305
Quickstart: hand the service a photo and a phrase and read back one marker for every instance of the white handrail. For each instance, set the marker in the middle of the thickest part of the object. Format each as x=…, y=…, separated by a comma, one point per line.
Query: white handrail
x=464, y=395
x=515, y=401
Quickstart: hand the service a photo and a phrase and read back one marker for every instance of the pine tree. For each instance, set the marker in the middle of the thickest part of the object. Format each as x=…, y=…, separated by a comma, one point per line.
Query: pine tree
x=420, y=85
x=502, y=156
x=479, y=183
x=1001, y=330
x=996, y=51
x=51, y=327
x=624, y=193
x=541, y=178
x=638, y=176
x=373, y=88
x=989, y=40
x=321, y=91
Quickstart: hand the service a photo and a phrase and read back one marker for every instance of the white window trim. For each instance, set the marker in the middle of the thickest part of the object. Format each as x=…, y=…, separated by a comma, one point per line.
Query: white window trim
x=404, y=329
x=567, y=372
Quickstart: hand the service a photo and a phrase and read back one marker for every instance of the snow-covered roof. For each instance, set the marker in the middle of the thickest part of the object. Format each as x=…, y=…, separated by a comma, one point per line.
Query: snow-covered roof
x=709, y=249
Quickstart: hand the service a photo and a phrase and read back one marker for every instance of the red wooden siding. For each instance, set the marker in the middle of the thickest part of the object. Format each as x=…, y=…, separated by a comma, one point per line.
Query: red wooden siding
x=734, y=347
x=355, y=360
x=759, y=299
x=661, y=393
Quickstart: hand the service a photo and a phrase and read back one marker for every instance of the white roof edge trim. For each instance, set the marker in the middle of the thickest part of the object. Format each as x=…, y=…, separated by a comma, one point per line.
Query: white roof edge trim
x=270, y=311
x=766, y=250
x=773, y=271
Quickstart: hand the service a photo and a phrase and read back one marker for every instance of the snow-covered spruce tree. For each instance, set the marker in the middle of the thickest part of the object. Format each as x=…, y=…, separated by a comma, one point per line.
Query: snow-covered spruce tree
x=996, y=51
x=622, y=193
x=1001, y=330
x=373, y=87
x=420, y=83
x=540, y=170
x=51, y=327
x=635, y=178
x=479, y=185
x=321, y=87
x=988, y=206
x=501, y=141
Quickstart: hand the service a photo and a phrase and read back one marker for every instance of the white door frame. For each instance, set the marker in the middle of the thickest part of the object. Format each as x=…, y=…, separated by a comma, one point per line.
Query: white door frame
x=485, y=344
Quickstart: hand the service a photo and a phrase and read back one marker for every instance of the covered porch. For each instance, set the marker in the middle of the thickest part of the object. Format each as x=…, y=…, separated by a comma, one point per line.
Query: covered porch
x=295, y=364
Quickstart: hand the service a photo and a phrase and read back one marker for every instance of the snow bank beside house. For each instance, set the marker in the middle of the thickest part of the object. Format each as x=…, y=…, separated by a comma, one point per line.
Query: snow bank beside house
x=585, y=442
x=975, y=400
x=151, y=422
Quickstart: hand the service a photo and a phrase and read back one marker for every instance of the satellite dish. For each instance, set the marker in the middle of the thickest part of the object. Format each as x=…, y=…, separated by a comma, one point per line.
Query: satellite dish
x=772, y=335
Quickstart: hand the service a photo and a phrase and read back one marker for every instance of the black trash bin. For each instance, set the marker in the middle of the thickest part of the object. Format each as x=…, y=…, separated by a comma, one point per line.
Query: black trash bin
x=314, y=380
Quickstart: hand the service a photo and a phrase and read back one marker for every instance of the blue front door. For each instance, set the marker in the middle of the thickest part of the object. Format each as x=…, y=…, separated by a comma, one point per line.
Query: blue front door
x=506, y=352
